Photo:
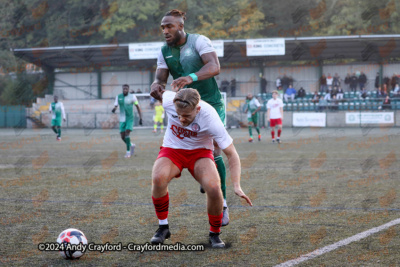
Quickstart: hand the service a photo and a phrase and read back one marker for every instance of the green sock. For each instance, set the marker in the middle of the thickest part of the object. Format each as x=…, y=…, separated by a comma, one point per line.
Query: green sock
x=222, y=173
x=251, y=131
x=128, y=143
x=155, y=127
x=59, y=132
x=162, y=126
x=258, y=130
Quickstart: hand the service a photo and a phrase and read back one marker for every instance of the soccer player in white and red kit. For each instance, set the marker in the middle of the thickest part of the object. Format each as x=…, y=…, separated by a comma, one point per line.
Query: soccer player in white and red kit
x=275, y=115
x=188, y=143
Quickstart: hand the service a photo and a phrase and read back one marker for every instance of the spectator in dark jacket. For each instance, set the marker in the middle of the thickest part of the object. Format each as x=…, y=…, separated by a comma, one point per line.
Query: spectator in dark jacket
x=347, y=81
x=394, y=81
x=353, y=82
x=323, y=83
x=377, y=81
x=263, y=84
x=336, y=80
x=362, y=80
x=301, y=93
x=224, y=85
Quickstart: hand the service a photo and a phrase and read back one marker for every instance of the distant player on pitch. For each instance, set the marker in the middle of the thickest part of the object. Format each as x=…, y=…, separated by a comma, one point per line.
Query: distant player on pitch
x=252, y=109
x=57, y=109
x=188, y=143
x=275, y=115
x=125, y=101
x=158, y=117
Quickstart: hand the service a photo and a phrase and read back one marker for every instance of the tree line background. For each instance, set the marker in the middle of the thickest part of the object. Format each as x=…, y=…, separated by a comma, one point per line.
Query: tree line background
x=45, y=23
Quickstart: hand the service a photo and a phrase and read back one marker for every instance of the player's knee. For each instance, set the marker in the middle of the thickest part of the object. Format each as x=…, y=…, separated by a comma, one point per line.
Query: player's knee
x=159, y=180
x=214, y=190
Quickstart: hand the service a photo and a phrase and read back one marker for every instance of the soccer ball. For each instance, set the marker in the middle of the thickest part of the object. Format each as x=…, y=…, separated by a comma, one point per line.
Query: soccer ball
x=71, y=236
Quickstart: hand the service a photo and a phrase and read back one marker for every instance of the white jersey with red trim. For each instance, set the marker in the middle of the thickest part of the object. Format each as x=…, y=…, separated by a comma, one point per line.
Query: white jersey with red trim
x=206, y=127
x=275, y=108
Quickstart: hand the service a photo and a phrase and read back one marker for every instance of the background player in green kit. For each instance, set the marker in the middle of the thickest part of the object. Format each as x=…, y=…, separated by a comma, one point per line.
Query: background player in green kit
x=57, y=108
x=191, y=59
x=125, y=101
x=252, y=108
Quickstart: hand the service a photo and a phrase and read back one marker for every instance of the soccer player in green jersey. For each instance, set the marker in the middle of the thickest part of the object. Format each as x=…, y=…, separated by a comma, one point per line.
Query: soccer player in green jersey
x=57, y=109
x=252, y=109
x=125, y=101
x=191, y=59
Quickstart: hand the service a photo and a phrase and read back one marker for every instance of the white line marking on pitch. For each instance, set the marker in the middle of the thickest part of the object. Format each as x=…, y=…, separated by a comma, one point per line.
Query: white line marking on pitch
x=344, y=242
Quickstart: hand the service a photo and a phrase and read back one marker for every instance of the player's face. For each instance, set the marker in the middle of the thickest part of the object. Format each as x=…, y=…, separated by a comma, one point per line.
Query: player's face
x=125, y=90
x=55, y=99
x=172, y=28
x=274, y=95
x=187, y=115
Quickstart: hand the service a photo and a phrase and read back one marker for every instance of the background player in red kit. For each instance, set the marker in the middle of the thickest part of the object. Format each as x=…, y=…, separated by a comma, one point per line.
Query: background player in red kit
x=275, y=115
x=188, y=143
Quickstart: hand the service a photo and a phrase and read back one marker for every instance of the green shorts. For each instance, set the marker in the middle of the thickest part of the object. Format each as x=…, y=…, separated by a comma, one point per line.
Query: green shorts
x=126, y=125
x=253, y=119
x=220, y=108
x=56, y=122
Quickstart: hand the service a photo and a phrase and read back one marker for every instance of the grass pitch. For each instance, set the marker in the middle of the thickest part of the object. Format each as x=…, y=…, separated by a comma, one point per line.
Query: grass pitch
x=316, y=188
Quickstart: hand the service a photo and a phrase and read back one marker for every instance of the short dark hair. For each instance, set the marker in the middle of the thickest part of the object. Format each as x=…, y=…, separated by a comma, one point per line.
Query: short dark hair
x=125, y=85
x=176, y=13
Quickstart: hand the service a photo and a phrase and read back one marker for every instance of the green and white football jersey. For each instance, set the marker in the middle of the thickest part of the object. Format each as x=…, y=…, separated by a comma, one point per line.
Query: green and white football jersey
x=125, y=104
x=186, y=59
x=57, y=110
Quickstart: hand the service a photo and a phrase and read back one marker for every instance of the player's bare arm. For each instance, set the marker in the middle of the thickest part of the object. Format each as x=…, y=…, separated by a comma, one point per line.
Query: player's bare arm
x=257, y=110
x=281, y=109
x=210, y=69
x=140, y=114
x=159, y=83
x=268, y=114
x=235, y=170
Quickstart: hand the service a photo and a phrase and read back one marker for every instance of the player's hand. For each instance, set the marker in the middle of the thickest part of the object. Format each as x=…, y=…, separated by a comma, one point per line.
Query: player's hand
x=140, y=122
x=268, y=119
x=113, y=110
x=240, y=193
x=180, y=83
x=156, y=91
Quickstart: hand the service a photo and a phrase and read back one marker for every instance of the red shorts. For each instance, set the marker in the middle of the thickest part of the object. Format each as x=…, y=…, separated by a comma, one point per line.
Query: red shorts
x=184, y=158
x=273, y=122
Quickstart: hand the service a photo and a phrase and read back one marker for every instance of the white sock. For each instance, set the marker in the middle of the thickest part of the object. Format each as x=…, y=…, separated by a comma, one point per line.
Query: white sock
x=163, y=222
x=225, y=205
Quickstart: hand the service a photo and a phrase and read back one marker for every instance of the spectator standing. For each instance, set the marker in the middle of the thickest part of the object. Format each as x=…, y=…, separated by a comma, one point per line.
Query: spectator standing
x=362, y=80
x=263, y=84
x=224, y=85
x=377, y=80
x=336, y=80
x=322, y=83
x=233, y=87
x=285, y=82
x=347, y=81
x=329, y=81
x=394, y=81
x=353, y=82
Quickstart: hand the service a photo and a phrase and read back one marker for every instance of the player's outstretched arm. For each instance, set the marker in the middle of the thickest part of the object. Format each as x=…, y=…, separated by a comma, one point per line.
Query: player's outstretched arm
x=210, y=69
x=235, y=170
x=159, y=83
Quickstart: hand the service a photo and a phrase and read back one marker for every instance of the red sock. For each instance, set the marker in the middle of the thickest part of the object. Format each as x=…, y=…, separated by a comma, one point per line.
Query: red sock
x=279, y=132
x=215, y=222
x=273, y=134
x=161, y=204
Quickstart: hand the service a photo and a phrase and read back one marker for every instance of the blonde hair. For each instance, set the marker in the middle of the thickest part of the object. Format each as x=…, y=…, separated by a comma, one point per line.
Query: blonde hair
x=187, y=97
x=275, y=91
